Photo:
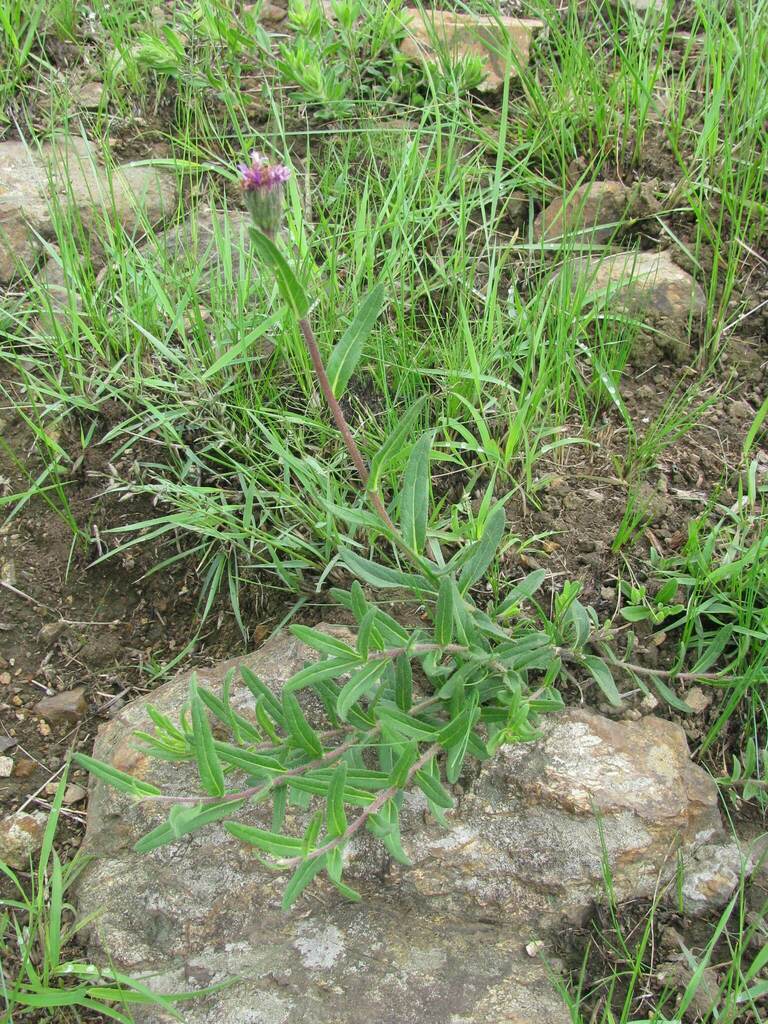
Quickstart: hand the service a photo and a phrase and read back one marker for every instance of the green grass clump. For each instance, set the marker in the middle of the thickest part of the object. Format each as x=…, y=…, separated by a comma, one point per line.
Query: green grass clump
x=43, y=975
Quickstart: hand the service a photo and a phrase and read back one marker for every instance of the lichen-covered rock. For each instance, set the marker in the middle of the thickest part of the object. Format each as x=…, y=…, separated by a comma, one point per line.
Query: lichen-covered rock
x=647, y=286
x=21, y=836
x=67, y=173
x=442, y=941
x=710, y=871
x=593, y=212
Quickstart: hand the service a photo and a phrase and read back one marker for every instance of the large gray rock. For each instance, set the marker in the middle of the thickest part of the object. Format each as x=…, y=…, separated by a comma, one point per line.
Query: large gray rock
x=23, y=209
x=441, y=942
x=67, y=172
x=58, y=295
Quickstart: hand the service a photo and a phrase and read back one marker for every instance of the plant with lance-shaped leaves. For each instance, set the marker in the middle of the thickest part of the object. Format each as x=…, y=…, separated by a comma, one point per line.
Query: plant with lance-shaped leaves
x=484, y=676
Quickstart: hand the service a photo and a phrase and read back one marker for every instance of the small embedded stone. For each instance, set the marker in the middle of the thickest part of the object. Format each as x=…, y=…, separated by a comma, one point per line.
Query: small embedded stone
x=50, y=632
x=68, y=706
x=595, y=212
x=21, y=836
x=74, y=794
x=697, y=699
x=24, y=767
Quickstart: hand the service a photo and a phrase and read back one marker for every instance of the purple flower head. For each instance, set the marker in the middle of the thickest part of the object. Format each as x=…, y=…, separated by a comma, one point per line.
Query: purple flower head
x=262, y=184
x=261, y=174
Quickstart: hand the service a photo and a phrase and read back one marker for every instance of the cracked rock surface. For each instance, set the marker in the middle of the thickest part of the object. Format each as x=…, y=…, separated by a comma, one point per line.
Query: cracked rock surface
x=441, y=941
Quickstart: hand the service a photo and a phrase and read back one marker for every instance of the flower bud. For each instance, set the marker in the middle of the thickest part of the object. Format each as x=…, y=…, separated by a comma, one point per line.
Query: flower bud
x=262, y=183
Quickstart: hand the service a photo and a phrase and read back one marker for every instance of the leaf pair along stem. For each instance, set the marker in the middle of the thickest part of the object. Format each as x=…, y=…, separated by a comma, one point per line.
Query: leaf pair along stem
x=329, y=757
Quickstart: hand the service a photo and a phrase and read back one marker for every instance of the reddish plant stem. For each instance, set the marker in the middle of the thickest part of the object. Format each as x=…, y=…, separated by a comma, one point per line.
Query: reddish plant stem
x=641, y=670
x=373, y=808
x=333, y=404
x=341, y=421
x=351, y=445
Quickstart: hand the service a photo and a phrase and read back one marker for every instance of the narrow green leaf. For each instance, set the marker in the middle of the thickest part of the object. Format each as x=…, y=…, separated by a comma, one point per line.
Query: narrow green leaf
x=334, y=864
x=55, y=907
x=117, y=779
x=348, y=350
x=313, y=831
x=260, y=690
x=49, y=836
x=577, y=617
x=444, y=612
x=522, y=591
x=670, y=696
x=247, y=761
x=290, y=289
x=208, y=764
x=381, y=575
x=366, y=778
x=323, y=642
x=358, y=603
x=302, y=876
x=364, y=633
x=403, y=682
x=336, y=817
x=603, y=677
x=240, y=727
x=404, y=763
x=313, y=786
x=394, y=443
x=179, y=816
x=359, y=683
x=458, y=751
x=433, y=789
x=265, y=721
x=482, y=552
x=634, y=613
x=164, y=723
x=215, y=704
x=195, y=818
x=414, y=497
x=270, y=842
x=317, y=672
x=391, y=632
x=755, y=428
x=279, y=805
x=458, y=728
x=386, y=826
x=407, y=725
x=760, y=961
x=300, y=731
x=346, y=891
